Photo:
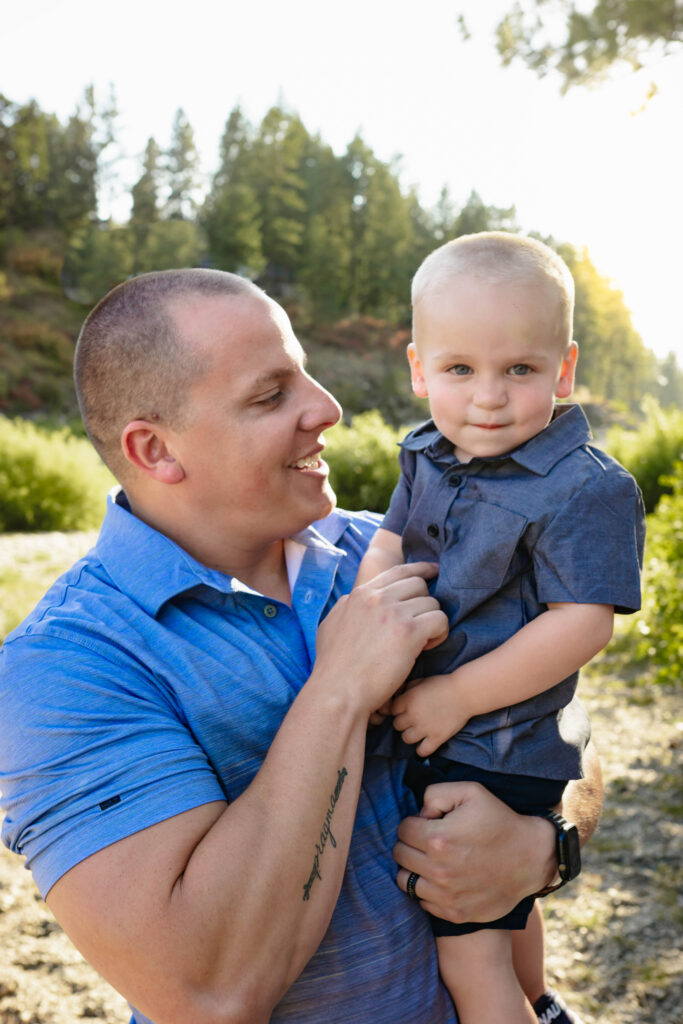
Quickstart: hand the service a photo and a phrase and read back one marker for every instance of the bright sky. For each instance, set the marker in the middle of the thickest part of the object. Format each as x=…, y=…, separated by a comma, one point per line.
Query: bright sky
x=584, y=167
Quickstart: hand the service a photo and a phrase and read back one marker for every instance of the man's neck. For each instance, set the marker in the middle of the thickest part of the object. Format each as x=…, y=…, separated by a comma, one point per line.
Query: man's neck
x=263, y=569
x=268, y=576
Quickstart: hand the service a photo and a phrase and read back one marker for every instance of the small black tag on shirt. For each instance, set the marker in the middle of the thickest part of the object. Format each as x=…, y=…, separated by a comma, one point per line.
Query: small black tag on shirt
x=106, y=804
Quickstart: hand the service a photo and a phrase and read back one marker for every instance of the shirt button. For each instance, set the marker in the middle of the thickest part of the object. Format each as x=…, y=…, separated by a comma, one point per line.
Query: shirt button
x=270, y=611
x=433, y=530
x=454, y=481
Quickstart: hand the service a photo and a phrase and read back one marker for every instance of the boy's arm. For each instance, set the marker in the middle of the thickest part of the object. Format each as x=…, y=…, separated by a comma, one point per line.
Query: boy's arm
x=543, y=653
x=384, y=552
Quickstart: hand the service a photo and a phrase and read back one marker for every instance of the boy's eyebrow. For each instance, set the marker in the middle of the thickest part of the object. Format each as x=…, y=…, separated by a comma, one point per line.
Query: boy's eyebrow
x=517, y=356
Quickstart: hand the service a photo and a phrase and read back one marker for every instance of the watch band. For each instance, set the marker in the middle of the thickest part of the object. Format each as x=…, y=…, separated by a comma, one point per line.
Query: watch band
x=567, y=848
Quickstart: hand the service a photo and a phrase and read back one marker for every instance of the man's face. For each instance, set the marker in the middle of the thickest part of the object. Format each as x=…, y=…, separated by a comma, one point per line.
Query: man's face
x=488, y=358
x=251, y=448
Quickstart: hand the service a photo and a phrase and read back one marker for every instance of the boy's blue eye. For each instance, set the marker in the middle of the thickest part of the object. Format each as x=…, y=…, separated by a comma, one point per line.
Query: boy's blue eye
x=520, y=369
x=460, y=370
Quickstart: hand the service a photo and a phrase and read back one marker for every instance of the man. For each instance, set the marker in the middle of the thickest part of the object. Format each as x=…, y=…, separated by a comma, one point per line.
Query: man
x=184, y=780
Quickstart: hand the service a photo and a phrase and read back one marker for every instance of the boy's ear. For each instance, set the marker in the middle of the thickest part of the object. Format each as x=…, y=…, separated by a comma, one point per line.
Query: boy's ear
x=416, y=372
x=145, y=448
x=565, y=384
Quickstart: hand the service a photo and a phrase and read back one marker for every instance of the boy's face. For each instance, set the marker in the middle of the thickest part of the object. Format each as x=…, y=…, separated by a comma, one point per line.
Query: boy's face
x=489, y=359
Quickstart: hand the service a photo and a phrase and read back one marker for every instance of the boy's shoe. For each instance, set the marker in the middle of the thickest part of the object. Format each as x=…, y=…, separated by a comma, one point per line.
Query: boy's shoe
x=551, y=1009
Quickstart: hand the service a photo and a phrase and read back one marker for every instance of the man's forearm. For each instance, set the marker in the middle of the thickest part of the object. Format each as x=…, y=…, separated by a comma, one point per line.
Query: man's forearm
x=230, y=902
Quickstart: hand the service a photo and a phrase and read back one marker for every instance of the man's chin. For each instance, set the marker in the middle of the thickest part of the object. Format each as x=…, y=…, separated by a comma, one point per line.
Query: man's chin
x=321, y=510
x=328, y=505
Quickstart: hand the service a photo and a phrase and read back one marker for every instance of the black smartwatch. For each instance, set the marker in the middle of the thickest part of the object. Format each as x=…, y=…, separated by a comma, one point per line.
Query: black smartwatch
x=568, y=851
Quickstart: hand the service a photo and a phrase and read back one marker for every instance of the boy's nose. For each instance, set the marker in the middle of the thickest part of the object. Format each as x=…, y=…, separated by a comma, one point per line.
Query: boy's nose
x=490, y=393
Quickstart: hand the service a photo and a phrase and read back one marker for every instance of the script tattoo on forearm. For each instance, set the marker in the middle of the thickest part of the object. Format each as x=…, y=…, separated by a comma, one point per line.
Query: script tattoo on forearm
x=325, y=834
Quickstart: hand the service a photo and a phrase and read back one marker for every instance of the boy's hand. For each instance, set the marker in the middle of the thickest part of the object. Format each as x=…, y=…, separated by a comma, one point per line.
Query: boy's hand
x=429, y=712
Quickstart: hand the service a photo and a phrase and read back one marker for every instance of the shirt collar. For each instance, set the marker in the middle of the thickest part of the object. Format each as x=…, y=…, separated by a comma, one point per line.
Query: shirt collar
x=152, y=569
x=567, y=430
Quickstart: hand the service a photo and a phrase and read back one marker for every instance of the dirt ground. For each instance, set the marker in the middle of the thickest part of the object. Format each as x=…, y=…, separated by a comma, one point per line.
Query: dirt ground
x=613, y=937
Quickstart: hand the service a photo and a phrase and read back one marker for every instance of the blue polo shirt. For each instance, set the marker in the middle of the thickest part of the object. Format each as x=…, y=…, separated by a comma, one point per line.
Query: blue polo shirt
x=145, y=684
x=555, y=520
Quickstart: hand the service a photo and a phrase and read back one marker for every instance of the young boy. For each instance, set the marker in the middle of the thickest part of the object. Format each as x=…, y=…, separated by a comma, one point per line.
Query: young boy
x=539, y=540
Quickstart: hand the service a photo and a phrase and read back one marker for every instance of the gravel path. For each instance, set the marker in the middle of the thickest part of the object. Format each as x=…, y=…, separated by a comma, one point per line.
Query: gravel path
x=613, y=937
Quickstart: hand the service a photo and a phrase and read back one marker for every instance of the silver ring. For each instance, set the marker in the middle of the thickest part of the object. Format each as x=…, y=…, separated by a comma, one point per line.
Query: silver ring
x=410, y=885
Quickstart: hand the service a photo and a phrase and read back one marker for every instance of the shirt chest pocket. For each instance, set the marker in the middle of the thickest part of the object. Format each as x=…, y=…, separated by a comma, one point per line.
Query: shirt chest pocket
x=485, y=550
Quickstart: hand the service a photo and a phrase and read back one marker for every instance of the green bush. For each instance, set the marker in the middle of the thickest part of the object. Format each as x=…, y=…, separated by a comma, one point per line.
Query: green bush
x=651, y=452
x=49, y=480
x=660, y=625
x=363, y=460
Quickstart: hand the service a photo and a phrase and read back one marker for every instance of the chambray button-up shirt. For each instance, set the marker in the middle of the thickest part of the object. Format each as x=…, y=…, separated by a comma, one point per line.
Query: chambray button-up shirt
x=555, y=520
x=145, y=684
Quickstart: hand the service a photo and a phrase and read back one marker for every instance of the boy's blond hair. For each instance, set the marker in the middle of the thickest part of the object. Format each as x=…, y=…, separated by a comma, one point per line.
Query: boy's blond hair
x=499, y=257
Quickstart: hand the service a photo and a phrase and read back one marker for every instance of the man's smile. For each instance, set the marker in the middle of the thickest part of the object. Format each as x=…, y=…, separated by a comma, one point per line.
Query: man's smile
x=307, y=462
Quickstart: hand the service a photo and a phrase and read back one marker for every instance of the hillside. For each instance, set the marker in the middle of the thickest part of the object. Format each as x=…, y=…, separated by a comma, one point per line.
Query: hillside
x=38, y=329
x=361, y=360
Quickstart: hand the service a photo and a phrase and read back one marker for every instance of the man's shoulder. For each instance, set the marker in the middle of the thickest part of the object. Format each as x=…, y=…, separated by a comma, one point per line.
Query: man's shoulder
x=74, y=608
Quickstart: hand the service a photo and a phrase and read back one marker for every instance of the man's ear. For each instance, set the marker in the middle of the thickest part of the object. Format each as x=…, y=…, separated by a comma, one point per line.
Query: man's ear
x=416, y=372
x=145, y=447
x=565, y=384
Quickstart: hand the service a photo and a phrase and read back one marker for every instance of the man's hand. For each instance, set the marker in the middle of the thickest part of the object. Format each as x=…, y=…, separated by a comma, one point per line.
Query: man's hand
x=369, y=641
x=476, y=858
x=429, y=713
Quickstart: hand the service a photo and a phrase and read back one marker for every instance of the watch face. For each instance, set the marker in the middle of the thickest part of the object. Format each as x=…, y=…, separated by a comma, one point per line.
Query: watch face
x=569, y=851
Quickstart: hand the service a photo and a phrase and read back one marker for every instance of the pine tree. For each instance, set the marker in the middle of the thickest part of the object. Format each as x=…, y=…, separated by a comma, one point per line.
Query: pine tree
x=182, y=165
x=231, y=215
x=326, y=250
x=279, y=152
x=145, y=191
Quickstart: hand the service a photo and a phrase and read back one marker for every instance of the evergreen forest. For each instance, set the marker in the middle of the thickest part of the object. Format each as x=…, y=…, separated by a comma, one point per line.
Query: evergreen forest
x=335, y=237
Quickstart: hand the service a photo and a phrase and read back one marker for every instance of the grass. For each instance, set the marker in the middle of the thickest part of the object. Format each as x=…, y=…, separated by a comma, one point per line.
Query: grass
x=31, y=573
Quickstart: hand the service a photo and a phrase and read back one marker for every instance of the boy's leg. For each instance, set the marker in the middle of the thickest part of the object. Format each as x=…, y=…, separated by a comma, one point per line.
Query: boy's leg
x=478, y=972
x=528, y=956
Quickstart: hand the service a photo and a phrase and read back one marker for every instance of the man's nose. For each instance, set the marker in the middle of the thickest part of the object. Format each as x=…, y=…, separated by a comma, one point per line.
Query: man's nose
x=321, y=409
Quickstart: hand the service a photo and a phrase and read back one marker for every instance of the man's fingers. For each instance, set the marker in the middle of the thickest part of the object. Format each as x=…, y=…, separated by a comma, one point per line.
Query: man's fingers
x=512, y=852
x=445, y=797
x=427, y=570
x=441, y=799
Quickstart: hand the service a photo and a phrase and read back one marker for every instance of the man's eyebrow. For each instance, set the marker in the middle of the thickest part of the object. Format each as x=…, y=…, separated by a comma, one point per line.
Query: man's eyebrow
x=288, y=369
x=268, y=377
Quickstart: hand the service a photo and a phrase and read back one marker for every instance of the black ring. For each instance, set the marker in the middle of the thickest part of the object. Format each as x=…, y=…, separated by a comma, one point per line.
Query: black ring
x=410, y=885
